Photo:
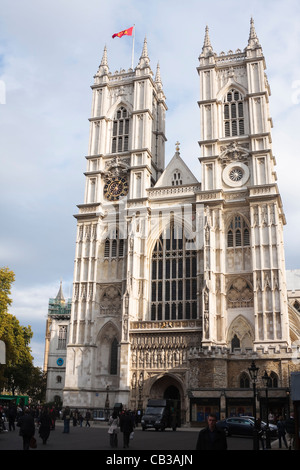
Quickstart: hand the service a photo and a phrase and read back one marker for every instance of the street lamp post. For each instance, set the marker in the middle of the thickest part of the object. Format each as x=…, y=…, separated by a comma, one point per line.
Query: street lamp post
x=266, y=380
x=253, y=371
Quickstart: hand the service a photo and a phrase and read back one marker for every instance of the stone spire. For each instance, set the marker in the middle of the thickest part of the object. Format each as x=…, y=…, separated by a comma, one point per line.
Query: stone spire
x=253, y=41
x=103, y=67
x=60, y=295
x=207, y=49
x=144, y=59
x=158, y=81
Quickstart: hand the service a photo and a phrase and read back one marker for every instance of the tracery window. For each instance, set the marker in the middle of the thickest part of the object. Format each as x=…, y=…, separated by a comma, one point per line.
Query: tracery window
x=235, y=343
x=273, y=381
x=114, y=246
x=238, y=233
x=62, y=337
x=233, y=114
x=244, y=380
x=120, y=131
x=174, y=276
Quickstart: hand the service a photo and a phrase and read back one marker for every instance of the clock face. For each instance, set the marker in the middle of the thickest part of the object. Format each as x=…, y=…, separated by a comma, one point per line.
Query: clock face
x=115, y=188
x=236, y=174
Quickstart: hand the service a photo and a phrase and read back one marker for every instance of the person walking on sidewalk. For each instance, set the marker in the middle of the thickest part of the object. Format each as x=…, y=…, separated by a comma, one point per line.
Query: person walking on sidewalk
x=281, y=431
x=113, y=429
x=27, y=428
x=126, y=428
x=290, y=429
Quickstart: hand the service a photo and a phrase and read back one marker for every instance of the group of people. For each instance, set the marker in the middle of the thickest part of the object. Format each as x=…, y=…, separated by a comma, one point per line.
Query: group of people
x=76, y=417
x=27, y=419
x=123, y=422
x=286, y=432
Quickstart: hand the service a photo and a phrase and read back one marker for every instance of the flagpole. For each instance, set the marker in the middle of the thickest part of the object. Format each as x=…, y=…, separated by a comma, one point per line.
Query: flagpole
x=132, y=56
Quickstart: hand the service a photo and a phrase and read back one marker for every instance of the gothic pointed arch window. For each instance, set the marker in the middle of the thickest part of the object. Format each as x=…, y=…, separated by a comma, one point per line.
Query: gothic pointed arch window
x=238, y=234
x=114, y=245
x=244, y=380
x=273, y=381
x=120, y=131
x=235, y=343
x=114, y=357
x=238, y=252
x=174, y=276
x=233, y=106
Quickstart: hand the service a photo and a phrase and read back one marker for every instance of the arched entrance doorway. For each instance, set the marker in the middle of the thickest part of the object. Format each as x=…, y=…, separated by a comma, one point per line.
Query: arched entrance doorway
x=170, y=388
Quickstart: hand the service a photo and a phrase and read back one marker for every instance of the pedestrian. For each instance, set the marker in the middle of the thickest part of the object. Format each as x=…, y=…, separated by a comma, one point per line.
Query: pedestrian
x=12, y=414
x=281, y=431
x=260, y=433
x=75, y=417
x=126, y=428
x=87, y=418
x=290, y=429
x=211, y=437
x=66, y=419
x=27, y=428
x=113, y=431
x=45, y=423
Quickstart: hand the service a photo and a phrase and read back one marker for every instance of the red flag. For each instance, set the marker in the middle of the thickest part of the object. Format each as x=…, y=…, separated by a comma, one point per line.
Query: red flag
x=126, y=32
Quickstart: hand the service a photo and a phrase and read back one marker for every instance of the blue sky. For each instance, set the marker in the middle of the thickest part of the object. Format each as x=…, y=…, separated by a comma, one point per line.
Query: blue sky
x=49, y=52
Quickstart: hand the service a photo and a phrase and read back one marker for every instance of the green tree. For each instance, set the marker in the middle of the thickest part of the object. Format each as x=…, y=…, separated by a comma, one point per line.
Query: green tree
x=15, y=336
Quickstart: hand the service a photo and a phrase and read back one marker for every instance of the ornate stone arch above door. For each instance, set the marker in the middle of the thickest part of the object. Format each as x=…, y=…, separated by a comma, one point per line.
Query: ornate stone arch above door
x=240, y=332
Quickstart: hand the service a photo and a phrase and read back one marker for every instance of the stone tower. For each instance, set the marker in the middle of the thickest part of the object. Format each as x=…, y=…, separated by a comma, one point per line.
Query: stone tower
x=245, y=267
x=170, y=271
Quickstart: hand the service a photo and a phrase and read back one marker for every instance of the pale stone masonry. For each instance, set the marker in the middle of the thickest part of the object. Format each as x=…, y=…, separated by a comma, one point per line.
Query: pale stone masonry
x=180, y=284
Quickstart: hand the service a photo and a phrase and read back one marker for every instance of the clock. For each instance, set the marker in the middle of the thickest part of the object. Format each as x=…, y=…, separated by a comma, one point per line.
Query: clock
x=115, y=188
x=236, y=174
x=60, y=361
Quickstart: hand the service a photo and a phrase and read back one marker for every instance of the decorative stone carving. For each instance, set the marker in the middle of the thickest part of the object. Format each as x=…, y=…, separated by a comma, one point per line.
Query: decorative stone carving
x=110, y=303
x=233, y=153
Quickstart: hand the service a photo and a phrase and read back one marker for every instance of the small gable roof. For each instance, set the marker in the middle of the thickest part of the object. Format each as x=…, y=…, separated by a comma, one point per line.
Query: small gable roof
x=176, y=166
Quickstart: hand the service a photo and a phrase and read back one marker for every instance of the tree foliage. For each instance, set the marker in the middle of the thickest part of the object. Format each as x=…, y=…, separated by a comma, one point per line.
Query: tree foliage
x=17, y=372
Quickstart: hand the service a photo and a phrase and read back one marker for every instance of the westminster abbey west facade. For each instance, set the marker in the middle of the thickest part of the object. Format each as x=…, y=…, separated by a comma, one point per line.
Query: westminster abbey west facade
x=179, y=284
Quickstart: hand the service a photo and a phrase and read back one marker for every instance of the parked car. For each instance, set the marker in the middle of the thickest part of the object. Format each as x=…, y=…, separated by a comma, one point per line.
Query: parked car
x=272, y=427
x=242, y=426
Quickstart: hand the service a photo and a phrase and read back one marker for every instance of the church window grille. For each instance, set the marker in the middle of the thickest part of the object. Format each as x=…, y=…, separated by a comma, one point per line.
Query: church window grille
x=114, y=357
x=174, y=277
x=238, y=234
x=62, y=337
x=235, y=343
x=114, y=246
x=120, y=129
x=273, y=381
x=244, y=380
x=233, y=114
